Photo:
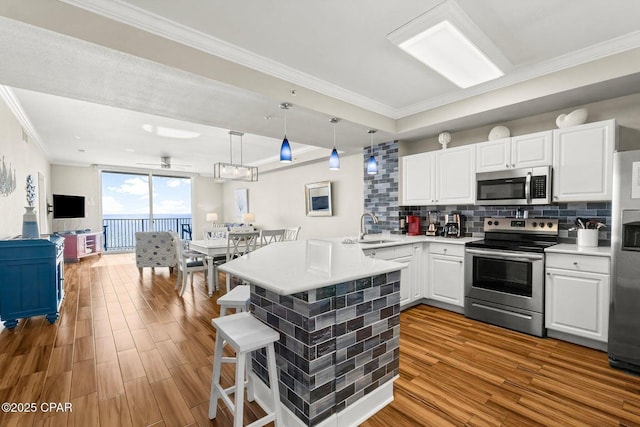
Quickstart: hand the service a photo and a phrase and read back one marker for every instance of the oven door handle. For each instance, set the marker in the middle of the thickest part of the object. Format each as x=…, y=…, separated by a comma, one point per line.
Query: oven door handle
x=505, y=255
x=527, y=188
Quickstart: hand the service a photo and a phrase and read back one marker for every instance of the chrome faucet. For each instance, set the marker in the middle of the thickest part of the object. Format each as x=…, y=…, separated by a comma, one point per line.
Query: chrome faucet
x=363, y=232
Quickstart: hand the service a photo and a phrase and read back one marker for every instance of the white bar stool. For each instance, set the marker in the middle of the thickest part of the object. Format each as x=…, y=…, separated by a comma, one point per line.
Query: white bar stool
x=244, y=333
x=237, y=298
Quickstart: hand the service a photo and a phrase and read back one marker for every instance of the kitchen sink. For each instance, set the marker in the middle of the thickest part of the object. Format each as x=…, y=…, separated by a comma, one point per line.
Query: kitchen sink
x=371, y=242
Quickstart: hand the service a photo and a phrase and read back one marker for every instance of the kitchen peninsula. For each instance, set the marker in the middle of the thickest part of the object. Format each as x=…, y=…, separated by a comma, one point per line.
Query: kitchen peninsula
x=337, y=312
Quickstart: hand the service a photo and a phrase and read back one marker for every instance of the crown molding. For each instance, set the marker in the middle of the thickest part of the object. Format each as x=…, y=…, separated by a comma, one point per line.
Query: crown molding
x=119, y=10
x=122, y=12
x=523, y=73
x=9, y=97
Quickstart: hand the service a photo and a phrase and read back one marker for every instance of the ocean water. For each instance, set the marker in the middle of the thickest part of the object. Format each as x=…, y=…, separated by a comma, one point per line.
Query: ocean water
x=143, y=216
x=121, y=228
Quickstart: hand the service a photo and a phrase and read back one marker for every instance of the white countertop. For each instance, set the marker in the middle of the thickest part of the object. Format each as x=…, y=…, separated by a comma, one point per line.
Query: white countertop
x=302, y=265
x=396, y=239
x=573, y=249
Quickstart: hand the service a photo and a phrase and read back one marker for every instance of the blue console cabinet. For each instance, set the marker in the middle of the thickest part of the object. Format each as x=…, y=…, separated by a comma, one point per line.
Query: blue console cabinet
x=31, y=279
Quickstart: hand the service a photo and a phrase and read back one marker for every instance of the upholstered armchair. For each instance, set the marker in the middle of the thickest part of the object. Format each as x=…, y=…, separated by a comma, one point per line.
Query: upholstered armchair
x=156, y=249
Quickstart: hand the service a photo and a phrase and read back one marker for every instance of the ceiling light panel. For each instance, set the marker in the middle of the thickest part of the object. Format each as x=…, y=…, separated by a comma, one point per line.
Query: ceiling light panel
x=448, y=41
x=445, y=49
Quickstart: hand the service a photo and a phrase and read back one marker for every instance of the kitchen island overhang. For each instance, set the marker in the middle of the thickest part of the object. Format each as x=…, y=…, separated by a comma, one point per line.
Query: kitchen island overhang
x=337, y=312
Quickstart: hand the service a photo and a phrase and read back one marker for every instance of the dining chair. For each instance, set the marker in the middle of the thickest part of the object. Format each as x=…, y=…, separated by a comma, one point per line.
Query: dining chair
x=217, y=232
x=271, y=236
x=291, y=233
x=238, y=244
x=242, y=228
x=189, y=262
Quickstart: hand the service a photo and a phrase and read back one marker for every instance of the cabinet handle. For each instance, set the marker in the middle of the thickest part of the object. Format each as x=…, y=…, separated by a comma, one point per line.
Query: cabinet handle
x=460, y=262
x=575, y=262
x=548, y=274
x=445, y=251
x=513, y=165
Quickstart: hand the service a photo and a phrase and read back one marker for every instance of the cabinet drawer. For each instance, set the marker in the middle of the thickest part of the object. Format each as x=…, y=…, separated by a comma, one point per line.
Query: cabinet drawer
x=594, y=264
x=404, y=250
x=446, y=249
x=381, y=253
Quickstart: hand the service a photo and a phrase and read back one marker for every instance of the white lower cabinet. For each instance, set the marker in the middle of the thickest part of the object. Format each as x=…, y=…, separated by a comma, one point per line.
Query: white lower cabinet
x=410, y=276
x=577, y=295
x=446, y=273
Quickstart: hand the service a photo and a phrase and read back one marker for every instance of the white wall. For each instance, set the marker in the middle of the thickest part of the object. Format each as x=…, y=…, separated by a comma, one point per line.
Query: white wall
x=206, y=195
x=625, y=109
x=26, y=158
x=278, y=198
x=78, y=181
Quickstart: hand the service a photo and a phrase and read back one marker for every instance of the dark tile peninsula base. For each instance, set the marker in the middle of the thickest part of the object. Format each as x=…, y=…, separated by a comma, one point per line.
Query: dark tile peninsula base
x=337, y=343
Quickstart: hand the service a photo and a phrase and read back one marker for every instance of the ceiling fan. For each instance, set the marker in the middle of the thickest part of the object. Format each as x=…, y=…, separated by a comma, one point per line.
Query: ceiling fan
x=165, y=163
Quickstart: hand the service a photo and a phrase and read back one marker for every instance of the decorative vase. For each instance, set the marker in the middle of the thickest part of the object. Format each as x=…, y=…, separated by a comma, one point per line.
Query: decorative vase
x=499, y=132
x=574, y=118
x=30, y=224
x=444, y=139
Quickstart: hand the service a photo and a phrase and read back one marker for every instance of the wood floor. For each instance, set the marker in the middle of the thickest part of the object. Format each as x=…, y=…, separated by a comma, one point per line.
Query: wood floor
x=130, y=352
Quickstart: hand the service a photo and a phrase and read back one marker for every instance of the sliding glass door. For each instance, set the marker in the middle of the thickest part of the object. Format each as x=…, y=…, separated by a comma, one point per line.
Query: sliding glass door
x=143, y=202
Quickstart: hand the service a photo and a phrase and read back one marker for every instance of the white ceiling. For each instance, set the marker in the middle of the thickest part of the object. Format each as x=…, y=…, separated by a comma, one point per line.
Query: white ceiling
x=89, y=73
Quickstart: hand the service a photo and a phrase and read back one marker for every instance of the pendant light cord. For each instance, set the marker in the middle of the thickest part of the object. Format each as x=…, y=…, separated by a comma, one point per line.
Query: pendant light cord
x=334, y=134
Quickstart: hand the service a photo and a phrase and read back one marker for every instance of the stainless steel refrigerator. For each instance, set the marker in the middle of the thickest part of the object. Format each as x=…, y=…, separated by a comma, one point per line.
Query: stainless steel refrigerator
x=624, y=315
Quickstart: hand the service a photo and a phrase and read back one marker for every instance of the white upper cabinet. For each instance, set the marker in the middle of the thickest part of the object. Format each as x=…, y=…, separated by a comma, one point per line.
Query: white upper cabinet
x=522, y=151
x=532, y=150
x=418, y=181
x=439, y=177
x=456, y=176
x=583, y=162
x=493, y=155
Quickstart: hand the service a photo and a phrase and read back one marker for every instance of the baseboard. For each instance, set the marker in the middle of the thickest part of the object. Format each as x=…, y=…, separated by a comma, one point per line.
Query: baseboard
x=351, y=416
x=585, y=342
x=442, y=305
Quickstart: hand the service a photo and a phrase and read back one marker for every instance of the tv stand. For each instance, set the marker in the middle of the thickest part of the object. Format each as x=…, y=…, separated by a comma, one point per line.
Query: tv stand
x=81, y=245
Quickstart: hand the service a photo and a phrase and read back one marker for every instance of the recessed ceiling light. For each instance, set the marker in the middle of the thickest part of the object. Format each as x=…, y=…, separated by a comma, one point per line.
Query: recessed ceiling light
x=170, y=132
x=449, y=42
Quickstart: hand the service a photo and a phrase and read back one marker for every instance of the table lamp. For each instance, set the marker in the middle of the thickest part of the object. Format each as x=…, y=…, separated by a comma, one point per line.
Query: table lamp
x=212, y=217
x=248, y=218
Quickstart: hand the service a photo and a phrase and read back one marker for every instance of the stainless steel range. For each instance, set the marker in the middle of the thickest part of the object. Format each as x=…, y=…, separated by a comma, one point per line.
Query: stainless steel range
x=504, y=273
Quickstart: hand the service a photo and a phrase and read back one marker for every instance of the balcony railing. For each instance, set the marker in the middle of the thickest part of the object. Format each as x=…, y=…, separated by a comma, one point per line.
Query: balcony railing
x=120, y=233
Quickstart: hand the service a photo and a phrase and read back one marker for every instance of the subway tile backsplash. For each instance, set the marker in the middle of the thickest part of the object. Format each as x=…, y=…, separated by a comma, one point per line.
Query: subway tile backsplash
x=566, y=213
x=381, y=198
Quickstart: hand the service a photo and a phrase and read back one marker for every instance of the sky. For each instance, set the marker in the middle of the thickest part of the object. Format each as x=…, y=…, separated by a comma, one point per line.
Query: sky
x=128, y=194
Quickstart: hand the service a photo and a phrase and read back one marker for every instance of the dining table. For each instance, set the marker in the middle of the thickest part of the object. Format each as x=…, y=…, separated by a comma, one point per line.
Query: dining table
x=210, y=248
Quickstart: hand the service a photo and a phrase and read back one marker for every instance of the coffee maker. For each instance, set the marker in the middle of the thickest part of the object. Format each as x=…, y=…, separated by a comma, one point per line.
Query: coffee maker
x=432, y=228
x=454, y=224
x=413, y=225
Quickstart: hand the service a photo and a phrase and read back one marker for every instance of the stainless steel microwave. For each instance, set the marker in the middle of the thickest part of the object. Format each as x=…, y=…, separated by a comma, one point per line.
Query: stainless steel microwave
x=526, y=186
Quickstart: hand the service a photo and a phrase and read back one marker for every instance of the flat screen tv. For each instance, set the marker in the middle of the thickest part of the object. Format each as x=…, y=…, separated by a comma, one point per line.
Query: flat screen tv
x=68, y=206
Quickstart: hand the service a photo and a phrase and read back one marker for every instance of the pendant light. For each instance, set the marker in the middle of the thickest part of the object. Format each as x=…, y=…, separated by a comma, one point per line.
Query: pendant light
x=372, y=165
x=334, y=160
x=285, y=148
x=231, y=171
